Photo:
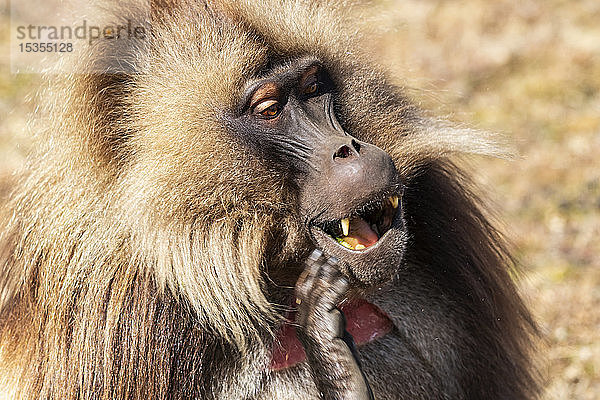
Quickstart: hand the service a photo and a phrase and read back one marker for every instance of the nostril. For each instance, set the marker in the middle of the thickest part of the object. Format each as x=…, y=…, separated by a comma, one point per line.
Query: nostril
x=343, y=152
x=356, y=145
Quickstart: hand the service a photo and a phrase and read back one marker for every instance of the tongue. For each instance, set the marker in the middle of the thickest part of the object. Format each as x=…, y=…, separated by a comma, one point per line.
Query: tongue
x=364, y=321
x=360, y=233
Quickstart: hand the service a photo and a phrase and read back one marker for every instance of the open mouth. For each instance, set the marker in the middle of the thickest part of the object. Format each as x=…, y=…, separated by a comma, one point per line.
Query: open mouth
x=363, y=228
x=357, y=232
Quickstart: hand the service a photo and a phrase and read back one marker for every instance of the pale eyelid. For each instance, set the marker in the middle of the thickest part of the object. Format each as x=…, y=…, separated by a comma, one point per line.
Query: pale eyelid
x=263, y=105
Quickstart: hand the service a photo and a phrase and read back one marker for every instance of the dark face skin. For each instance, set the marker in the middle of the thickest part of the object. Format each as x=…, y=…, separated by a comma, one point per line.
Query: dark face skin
x=287, y=116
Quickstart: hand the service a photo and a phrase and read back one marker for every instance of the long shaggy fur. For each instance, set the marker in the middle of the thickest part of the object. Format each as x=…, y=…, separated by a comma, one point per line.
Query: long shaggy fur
x=134, y=254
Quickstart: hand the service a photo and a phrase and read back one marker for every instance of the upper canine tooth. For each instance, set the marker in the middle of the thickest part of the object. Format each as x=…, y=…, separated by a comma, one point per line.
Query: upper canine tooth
x=394, y=201
x=345, y=226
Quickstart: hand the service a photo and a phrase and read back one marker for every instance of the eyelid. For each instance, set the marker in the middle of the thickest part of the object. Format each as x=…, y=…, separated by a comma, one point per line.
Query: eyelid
x=266, y=91
x=263, y=105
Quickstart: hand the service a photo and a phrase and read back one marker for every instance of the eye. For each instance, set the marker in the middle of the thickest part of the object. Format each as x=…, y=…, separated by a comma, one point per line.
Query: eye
x=268, y=108
x=311, y=88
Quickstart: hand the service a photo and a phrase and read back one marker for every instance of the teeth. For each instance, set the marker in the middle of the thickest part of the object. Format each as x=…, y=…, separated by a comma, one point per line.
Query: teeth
x=344, y=243
x=359, y=247
x=345, y=226
x=394, y=201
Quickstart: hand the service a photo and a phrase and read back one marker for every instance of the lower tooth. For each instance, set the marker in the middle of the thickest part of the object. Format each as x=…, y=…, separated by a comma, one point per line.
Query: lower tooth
x=343, y=243
x=360, y=247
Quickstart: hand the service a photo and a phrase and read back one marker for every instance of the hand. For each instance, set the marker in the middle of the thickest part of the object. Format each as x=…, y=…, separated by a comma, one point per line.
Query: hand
x=329, y=348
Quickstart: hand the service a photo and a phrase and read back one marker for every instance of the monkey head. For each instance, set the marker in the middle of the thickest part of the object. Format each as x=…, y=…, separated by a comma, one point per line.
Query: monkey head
x=348, y=190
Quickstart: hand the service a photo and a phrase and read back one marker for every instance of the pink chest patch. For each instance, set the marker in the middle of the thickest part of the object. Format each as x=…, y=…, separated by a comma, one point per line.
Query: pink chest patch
x=364, y=321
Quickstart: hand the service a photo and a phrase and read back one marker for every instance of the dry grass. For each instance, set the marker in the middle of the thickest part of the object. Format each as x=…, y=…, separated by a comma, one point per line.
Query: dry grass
x=529, y=69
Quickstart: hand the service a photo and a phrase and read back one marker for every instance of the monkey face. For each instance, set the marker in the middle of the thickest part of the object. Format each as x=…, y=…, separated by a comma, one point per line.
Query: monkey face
x=349, y=191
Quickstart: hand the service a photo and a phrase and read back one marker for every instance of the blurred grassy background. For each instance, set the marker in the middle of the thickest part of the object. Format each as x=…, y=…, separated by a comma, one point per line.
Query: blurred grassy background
x=528, y=69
